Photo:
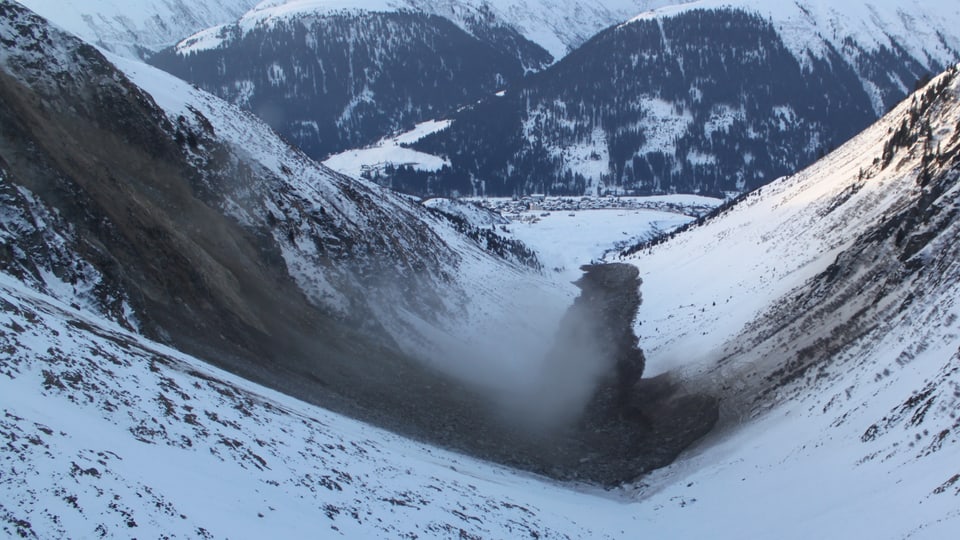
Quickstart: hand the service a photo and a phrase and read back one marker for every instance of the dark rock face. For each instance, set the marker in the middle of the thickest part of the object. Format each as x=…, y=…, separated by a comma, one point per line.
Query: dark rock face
x=606, y=307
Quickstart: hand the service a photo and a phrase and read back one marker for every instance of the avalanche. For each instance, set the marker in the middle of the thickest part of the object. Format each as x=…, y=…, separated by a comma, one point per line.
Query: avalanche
x=822, y=309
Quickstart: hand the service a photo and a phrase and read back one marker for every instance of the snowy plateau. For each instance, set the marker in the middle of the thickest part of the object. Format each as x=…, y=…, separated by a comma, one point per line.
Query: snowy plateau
x=822, y=310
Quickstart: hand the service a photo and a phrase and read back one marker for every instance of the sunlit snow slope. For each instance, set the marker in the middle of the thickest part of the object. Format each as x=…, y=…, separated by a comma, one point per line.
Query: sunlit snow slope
x=824, y=310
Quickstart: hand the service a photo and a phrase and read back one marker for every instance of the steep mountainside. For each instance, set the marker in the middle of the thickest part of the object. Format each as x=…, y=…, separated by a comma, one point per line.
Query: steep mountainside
x=703, y=97
x=193, y=223
x=823, y=306
x=189, y=220
x=134, y=28
x=331, y=81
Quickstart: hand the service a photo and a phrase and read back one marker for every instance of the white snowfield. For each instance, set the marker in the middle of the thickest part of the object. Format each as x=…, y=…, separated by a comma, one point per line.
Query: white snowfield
x=390, y=151
x=127, y=26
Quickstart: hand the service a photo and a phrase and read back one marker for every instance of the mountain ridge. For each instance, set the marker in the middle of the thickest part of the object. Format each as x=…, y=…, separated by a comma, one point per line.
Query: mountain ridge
x=135, y=29
x=622, y=114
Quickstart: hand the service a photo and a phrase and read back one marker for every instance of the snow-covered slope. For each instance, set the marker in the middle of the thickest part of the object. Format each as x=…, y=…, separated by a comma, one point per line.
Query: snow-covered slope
x=812, y=29
x=389, y=153
x=558, y=26
x=108, y=434
x=824, y=308
x=782, y=235
x=135, y=27
x=141, y=198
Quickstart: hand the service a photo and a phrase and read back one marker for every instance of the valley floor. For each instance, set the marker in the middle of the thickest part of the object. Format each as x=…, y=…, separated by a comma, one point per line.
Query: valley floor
x=106, y=434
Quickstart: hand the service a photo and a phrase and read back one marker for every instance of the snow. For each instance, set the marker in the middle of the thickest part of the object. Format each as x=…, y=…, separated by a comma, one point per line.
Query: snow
x=481, y=294
x=124, y=26
x=558, y=26
x=663, y=126
x=591, y=159
x=390, y=152
x=109, y=434
x=473, y=213
x=567, y=240
x=194, y=449
x=714, y=280
x=588, y=156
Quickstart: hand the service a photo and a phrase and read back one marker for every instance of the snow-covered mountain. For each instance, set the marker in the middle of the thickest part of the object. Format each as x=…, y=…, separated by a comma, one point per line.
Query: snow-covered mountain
x=138, y=197
x=854, y=435
x=137, y=27
x=557, y=26
x=704, y=96
x=856, y=359
x=822, y=310
x=333, y=80
x=144, y=199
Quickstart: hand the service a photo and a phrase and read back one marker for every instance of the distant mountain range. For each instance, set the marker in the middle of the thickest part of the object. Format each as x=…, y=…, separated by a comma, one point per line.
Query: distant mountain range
x=701, y=97
x=341, y=80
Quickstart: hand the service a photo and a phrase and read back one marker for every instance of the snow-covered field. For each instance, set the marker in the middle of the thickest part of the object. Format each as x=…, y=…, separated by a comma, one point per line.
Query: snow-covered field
x=390, y=152
x=566, y=240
